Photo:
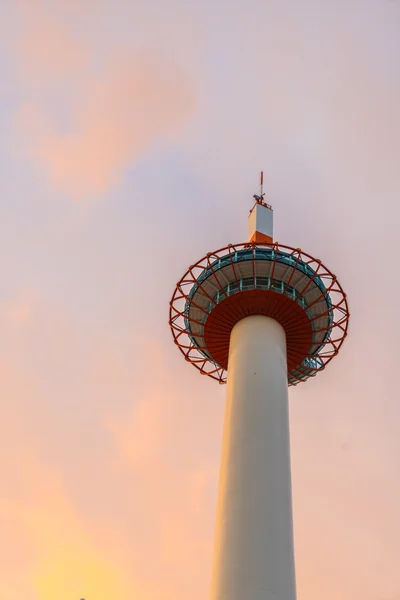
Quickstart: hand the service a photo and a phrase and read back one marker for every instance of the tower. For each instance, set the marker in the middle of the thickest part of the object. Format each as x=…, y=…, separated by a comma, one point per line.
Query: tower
x=259, y=316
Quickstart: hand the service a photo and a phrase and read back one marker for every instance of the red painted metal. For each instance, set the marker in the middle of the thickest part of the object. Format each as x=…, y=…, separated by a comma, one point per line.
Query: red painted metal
x=289, y=314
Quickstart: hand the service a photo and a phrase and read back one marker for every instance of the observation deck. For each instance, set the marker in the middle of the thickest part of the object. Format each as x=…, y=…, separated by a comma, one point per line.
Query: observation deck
x=260, y=277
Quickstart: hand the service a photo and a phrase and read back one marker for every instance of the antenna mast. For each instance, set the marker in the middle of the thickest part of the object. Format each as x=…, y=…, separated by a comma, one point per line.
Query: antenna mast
x=261, y=185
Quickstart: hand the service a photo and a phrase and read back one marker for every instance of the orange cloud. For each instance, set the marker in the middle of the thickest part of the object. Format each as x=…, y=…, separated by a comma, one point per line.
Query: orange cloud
x=176, y=495
x=46, y=549
x=46, y=48
x=130, y=519
x=18, y=311
x=117, y=118
x=110, y=114
x=71, y=565
x=65, y=562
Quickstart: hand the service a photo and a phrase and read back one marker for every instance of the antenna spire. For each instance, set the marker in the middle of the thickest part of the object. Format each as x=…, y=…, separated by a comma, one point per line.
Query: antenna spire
x=260, y=198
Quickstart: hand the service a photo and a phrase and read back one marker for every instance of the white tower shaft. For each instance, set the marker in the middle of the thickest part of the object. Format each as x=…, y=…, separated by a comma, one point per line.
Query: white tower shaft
x=254, y=554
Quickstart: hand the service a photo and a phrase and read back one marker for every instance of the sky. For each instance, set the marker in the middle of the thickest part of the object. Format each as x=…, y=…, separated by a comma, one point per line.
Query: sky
x=132, y=139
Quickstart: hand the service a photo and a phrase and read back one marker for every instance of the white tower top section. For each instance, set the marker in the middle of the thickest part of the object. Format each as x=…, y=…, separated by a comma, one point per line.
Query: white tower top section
x=260, y=223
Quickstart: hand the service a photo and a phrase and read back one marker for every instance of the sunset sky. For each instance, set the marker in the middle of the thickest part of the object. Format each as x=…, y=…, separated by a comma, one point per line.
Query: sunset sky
x=132, y=136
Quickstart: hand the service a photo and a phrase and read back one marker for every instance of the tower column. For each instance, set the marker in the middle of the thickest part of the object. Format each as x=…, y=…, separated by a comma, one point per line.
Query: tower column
x=253, y=553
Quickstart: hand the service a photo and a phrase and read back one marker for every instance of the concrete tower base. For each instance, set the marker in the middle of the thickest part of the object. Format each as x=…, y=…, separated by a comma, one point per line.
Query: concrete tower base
x=253, y=554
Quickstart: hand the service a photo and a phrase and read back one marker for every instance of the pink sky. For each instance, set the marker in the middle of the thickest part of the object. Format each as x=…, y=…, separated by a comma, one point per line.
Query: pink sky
x=132, y=138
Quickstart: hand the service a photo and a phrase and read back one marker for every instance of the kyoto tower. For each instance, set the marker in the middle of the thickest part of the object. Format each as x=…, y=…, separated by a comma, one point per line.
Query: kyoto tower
x=259, y=316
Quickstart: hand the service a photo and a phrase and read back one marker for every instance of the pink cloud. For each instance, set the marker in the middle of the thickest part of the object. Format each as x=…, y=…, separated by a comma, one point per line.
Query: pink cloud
x=111, y=113
x=64, y=533
x=175, y=494
x=63, y=560
x=46, y=48
x=19, y=310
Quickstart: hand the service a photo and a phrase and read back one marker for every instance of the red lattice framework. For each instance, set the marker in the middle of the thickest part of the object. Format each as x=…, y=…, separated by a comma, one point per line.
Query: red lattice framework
x=207, y=366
